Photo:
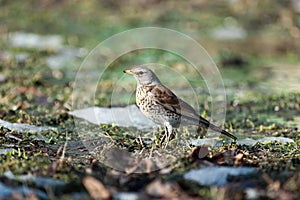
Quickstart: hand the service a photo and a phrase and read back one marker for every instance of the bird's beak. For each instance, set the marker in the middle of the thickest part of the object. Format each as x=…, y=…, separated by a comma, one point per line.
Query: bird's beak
x=127, y=71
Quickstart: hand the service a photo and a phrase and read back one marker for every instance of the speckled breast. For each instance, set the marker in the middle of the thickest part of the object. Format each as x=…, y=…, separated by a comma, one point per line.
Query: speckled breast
x=151, y=109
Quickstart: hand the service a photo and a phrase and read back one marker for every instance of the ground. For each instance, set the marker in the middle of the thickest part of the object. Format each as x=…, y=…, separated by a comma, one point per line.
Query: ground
x=259, y=71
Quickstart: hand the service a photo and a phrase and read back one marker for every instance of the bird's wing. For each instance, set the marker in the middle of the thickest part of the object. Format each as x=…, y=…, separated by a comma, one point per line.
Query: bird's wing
x=170, y=101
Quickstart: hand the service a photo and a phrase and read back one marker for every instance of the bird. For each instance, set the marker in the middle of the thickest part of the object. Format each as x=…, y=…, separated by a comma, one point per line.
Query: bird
x=163, y=107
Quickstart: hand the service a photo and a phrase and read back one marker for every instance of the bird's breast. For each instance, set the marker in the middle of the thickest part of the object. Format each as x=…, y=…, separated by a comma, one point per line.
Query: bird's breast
x=143, y=95
x=146, y=102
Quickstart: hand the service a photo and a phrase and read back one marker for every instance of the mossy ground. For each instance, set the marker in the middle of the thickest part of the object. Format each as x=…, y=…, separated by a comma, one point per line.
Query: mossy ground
x=31, y=93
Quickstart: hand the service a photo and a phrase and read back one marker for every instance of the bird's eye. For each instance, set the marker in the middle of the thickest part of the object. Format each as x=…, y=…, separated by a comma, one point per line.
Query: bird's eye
x=140, y=73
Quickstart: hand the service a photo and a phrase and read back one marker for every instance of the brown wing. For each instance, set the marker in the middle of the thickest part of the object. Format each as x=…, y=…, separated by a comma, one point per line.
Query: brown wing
x=170, y=101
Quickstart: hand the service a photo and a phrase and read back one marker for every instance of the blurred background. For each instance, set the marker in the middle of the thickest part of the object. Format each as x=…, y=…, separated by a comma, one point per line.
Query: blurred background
x=254, y=43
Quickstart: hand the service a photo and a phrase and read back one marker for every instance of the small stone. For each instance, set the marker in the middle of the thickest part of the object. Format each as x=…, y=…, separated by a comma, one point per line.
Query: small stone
x=24, y=128
x=126, y=196
x=129, y=116
x=216, y=175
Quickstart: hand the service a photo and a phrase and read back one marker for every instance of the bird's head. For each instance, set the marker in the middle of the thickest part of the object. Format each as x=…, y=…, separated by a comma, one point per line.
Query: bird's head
x=143, y=75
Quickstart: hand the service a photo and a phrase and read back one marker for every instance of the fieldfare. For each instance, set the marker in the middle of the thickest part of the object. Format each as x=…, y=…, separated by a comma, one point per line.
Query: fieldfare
x=163, y=107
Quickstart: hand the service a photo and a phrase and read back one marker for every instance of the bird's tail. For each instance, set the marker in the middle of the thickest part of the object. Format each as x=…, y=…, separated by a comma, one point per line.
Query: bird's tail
x=218, y=129
x=205, y=123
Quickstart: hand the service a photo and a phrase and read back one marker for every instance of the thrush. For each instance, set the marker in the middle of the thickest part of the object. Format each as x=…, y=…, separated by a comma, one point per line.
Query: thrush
x=162, y=106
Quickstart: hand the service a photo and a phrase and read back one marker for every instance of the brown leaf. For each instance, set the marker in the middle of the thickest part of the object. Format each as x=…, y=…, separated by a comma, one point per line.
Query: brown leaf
x=167, y=190
x=200, y=152
x=238, y=159
x=95, y=188
x=158, y=189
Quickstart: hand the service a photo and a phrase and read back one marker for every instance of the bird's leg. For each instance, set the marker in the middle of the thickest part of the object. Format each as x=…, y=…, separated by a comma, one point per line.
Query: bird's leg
x=161, y=137
x=169, y=129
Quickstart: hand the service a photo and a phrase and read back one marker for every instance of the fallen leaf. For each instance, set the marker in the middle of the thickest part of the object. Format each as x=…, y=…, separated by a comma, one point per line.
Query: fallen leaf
x=238, y=159
x=95, y=188
x=159, y=189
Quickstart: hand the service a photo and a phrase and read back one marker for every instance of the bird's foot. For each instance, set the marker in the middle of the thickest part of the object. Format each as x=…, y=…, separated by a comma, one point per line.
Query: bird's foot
x=168, y=137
